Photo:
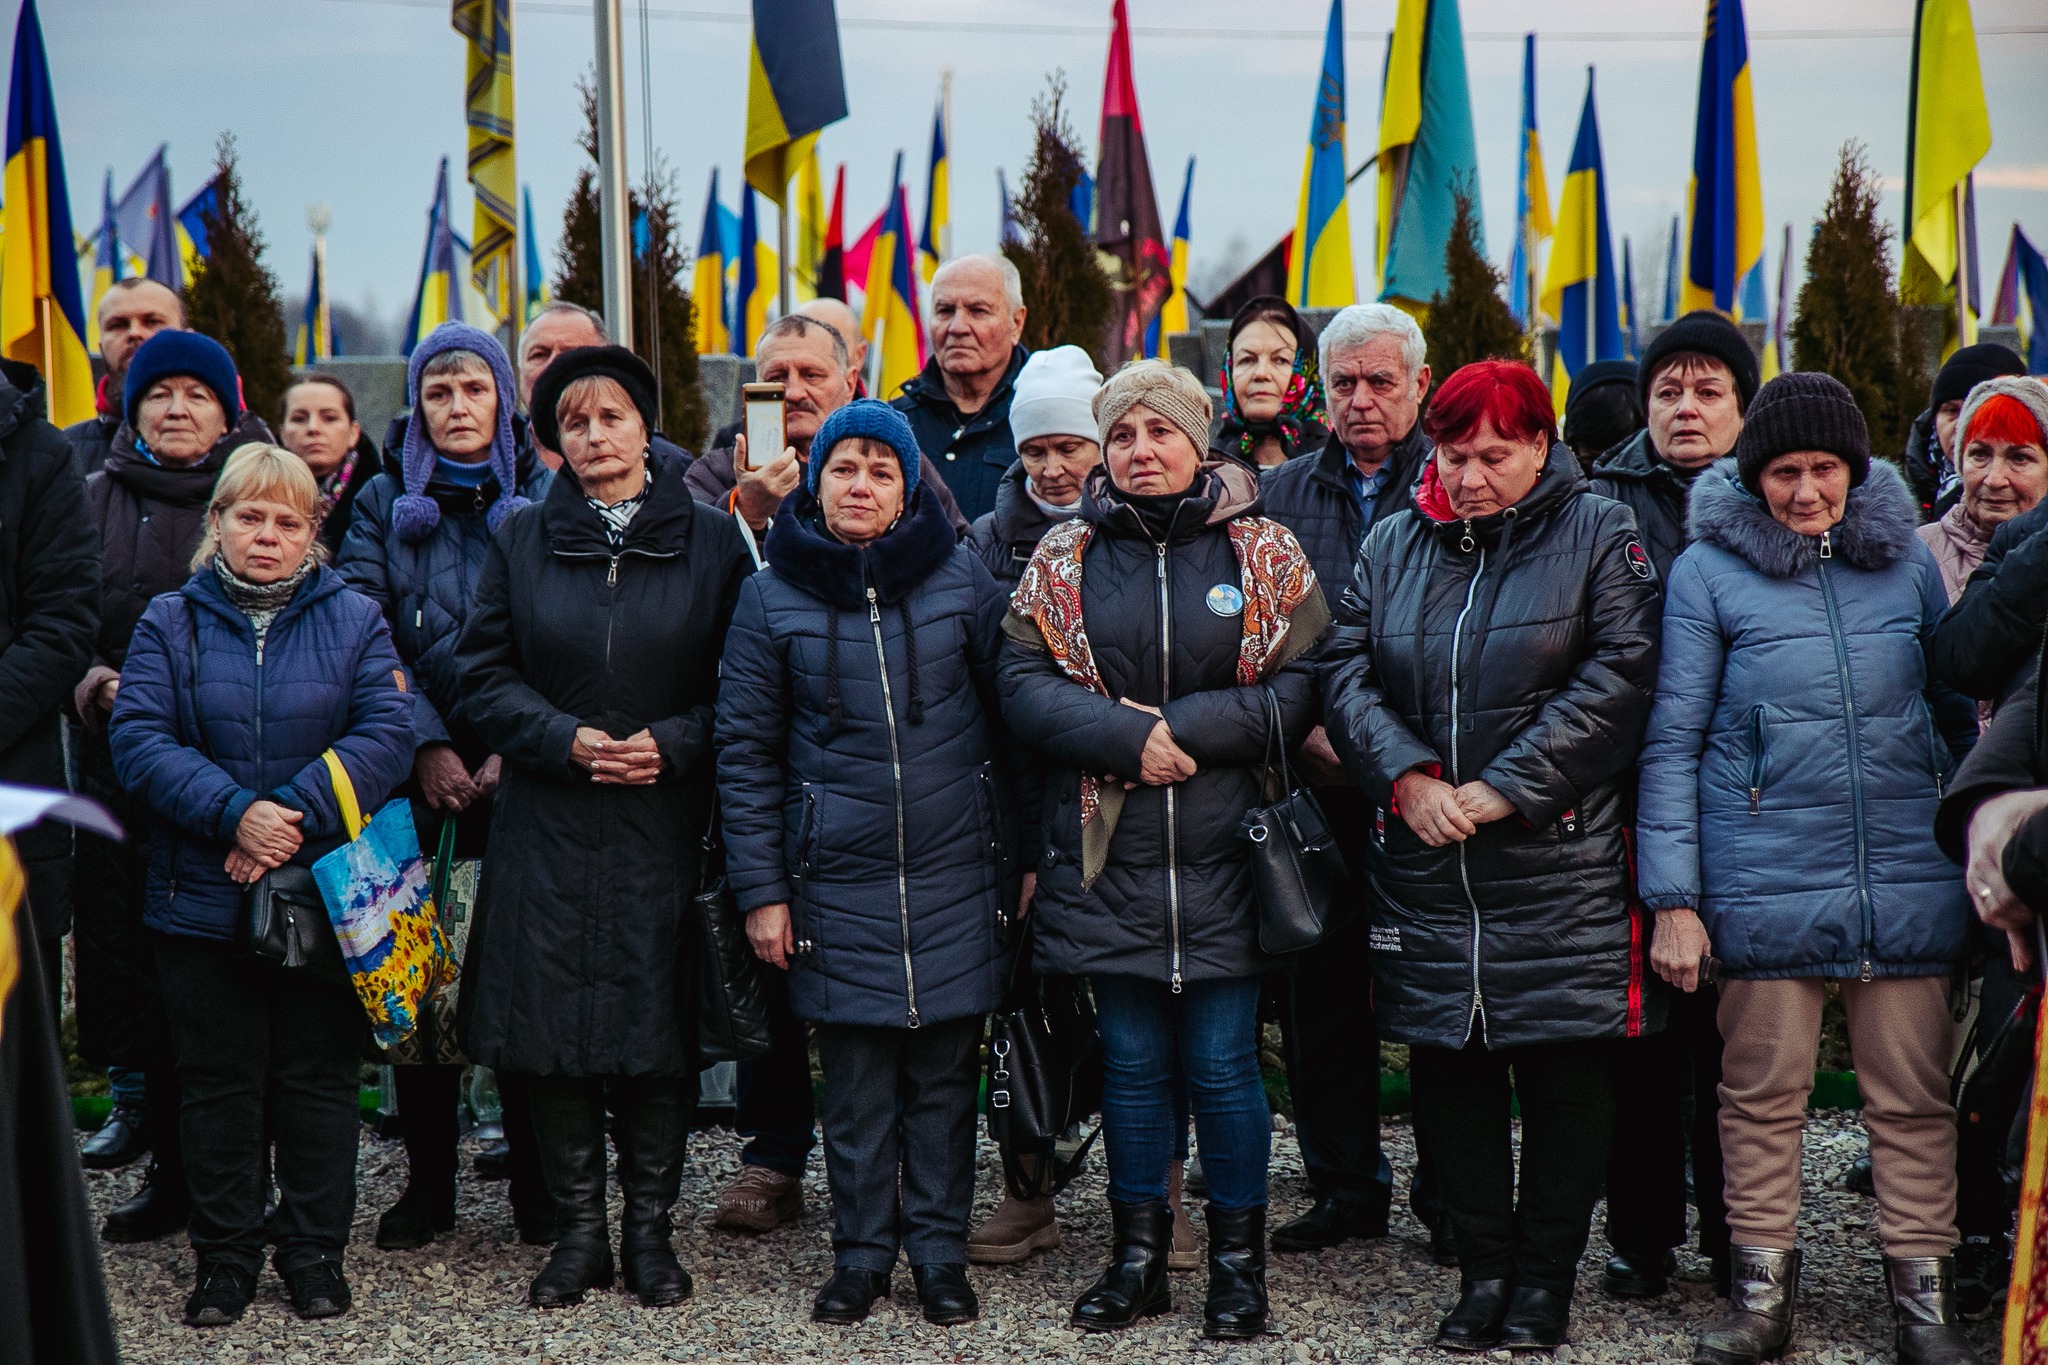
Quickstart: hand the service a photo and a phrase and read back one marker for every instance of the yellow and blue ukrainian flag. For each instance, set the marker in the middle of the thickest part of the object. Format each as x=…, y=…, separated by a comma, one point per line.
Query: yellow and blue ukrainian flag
x=1319, y=263
x=1630, y=344
x=707, y=280
x=439, y=296
x=1948, y=131
x=535, y=283
x=106, y=263
x=1579, y=288
x=795, y=86
x=2022, y=299
x=143, y=213
x=1427, y=153
x=42, y=316
x=759, y=282
x=1173, y=314
x=891, y=319
x=938, y=202
x=1726, y=238
x=315, y=340
x=486, y=29
x=193, y=246
x=1532, y=195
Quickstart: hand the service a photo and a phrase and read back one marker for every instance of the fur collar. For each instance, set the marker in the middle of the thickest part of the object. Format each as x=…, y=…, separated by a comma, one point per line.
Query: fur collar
x=838, y=574
x=1876, y=530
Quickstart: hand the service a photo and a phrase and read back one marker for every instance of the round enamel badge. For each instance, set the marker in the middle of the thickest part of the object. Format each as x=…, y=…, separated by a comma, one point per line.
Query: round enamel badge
x=1225, y=599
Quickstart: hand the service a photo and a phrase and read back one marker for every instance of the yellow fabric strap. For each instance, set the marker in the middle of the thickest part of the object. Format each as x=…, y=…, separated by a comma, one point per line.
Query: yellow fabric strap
x=345, y=796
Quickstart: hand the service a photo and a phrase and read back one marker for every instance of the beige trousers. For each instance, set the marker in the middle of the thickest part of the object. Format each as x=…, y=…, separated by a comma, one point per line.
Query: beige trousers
x=1902, y=1037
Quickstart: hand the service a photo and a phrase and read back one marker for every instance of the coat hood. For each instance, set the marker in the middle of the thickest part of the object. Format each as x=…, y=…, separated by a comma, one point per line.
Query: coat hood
x=23, y=399
x=1017, y=515
x=1636, y=460
x=1559, y=481
x=182, y=486
x=1876, y=530
x=1223, y=489
x=802, y=554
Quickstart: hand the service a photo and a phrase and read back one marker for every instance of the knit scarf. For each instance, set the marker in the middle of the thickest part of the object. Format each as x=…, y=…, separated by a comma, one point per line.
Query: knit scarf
x=1301, y=406
x=261, y=602
x=1273, y=572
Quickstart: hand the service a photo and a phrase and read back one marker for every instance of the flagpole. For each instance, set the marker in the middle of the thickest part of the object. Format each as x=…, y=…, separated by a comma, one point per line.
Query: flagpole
x=1962, y=263
x=612, y=199
x=49, y=344
x=945, y=242
x=782, y=251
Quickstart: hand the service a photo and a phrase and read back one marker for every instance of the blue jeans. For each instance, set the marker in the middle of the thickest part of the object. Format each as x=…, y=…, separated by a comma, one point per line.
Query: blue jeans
x=1208, y=1036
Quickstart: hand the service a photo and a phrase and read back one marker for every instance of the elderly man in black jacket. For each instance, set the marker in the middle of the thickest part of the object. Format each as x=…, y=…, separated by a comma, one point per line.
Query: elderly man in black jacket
x=50, y=592
x=133, y=311
x=1371, y=358
x=960, y=405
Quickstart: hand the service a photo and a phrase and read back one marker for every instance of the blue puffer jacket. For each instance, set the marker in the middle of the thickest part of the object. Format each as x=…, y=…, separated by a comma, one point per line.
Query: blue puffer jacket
x=857, y=768
x=1794, y=759
x=425, y=588
x=326, y=678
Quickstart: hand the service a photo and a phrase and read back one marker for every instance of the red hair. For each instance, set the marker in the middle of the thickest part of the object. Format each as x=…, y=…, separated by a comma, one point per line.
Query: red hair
x=1506, y=393
x=2002, y=417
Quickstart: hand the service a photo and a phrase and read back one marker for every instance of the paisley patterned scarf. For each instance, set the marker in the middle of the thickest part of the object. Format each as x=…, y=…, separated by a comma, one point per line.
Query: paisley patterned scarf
x=1276, y=577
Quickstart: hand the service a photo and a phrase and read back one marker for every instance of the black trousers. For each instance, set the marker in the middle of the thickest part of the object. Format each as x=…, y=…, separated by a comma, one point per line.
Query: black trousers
x=264, y=1049
x=1668, y=1101
x=1534, y=1238
x=429, y=1098
x=1333, y=1068
x=1984, y=1203
x=526, y=1187
x=899, y=1114
x=774, y=1109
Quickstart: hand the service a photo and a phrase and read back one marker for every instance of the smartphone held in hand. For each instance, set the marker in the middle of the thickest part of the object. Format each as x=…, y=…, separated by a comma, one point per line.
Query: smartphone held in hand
x=762, y=405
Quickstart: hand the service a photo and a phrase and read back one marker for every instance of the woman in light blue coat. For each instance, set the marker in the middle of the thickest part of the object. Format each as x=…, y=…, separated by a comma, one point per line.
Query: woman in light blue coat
x=1797, y=752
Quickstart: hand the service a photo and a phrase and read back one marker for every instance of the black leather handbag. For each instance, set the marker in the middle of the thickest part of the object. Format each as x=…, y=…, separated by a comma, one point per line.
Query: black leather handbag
x=732, y=1012
x=1298, y=874
x=284, y=921
x=1044, y=1077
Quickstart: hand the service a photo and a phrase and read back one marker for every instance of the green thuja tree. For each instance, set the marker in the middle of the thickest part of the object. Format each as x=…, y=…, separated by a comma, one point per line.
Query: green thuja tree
x=232, y=295
x=1066, y=291
x=664, y=332
x=1470, y=319
x=1848, y=321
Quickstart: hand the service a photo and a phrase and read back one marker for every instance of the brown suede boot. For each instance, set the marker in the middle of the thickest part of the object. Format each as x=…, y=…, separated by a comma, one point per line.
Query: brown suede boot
x=1187, y=1247
x=1017, y=1228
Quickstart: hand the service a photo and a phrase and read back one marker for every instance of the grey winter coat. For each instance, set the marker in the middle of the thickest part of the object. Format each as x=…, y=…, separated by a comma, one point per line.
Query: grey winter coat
x=1795, y=760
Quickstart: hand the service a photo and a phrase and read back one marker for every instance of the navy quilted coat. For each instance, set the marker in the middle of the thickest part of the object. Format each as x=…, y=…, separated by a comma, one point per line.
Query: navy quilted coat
x=858, y=769
x=326, y=677
x=425, y=588
x=1794, y=762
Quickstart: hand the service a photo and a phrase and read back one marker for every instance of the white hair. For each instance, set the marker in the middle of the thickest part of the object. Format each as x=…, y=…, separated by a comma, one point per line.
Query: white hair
x=1013, y=283
x=1361, y=322
x=561, y=308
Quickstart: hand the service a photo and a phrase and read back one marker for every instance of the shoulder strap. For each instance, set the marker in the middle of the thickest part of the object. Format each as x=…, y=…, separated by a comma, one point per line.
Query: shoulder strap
x=345, y=796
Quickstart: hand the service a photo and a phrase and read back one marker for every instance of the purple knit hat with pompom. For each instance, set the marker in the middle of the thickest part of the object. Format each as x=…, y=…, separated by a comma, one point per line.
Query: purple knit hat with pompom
x=414, y=513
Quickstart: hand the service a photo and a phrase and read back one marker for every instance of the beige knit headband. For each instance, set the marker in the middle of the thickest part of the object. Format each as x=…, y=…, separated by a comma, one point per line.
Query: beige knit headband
x=1166, y=389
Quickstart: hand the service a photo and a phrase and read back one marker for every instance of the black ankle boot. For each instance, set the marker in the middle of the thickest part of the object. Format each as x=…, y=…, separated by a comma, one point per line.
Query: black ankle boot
x=1236, y=1306
x=945, y=1294
x=568, y=1121
x=848, y=1295
x=416, y=1218
x=157, y=1210
x=1133, y=1285
x=651, y=1133
x=1536, y=1319
x=1473, y=1324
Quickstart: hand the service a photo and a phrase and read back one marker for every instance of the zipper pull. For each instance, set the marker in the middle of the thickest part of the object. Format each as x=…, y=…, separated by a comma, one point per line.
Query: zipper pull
x=1466, y=542
x=611, y=579
x=1176, y=983
x=914, y=1022
x=1827, y=551
x=1756, y=801
x=875, y=616
x=1866, y=970
x=419, y=618
x=478, y=499
x=1162, y=562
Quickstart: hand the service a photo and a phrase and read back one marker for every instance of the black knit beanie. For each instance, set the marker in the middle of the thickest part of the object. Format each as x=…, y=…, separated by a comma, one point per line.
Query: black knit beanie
x=1802, y=411
x=1971, y=366
x=1707, y=333
x=615, y=363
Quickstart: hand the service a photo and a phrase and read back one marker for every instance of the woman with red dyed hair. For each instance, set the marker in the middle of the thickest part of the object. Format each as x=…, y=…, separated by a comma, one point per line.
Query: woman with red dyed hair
x=1486, y=683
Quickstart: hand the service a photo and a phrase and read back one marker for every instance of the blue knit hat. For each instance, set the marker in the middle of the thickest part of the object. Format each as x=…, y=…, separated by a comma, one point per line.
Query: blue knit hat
x=188, y=353
x=414, y=513
x=876, y=421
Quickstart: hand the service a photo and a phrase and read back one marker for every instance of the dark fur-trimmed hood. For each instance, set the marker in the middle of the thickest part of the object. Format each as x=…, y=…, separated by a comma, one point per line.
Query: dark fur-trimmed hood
x=836, y=573
x=1876, y=529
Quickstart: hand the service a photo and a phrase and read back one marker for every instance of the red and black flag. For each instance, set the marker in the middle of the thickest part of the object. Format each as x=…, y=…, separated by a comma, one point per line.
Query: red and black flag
x=1127, y=223
x=831, y=282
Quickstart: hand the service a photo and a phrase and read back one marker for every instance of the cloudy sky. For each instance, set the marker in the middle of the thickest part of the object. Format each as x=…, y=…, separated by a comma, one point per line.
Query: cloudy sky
x=352, y=103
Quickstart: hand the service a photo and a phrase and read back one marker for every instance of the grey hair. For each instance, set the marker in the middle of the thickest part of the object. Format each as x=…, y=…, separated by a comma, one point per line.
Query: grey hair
x=1361, y=322
x=563, y=308
x=1013, y=283
x=455, y=362
x=802, y=325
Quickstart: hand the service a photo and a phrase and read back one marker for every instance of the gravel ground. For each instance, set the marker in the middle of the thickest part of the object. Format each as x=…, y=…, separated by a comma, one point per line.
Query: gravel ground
x=463, y=1299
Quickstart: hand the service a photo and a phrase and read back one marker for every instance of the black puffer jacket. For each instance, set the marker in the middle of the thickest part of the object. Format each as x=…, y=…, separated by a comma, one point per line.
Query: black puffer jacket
x=1521, y=650
x=1994, y=628
x=1173, y=903
x=579, y=963
x=1004, y=538
x=1633, y=474
x=858, y=770
x=49, y=613
x=1311, y=496
x=2010, y=756
x=970, y=452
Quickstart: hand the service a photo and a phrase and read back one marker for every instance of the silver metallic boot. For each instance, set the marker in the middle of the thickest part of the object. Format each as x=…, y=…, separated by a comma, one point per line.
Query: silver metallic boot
x=1758, y=1325
x=1928, y=1330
